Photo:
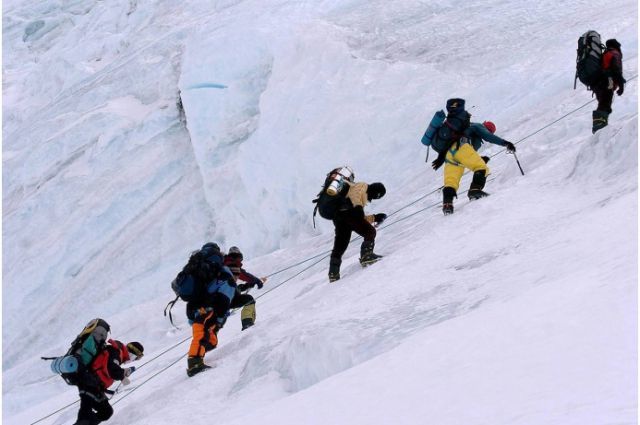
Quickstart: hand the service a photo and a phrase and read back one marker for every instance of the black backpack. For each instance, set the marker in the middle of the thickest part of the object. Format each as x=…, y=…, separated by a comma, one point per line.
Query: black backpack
x=75, y=365
x=190, y=284
x=453, y=127
x=328, y=205
x=589, y=59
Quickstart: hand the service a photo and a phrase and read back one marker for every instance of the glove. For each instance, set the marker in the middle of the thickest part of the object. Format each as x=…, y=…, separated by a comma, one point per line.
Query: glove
x=379, y=218
x=261, y=283
x=128, y=371
x=125, y=382
x=510, y=147
x=485, y=159
x=620, y=90
x=256, y=282
x=437, y=163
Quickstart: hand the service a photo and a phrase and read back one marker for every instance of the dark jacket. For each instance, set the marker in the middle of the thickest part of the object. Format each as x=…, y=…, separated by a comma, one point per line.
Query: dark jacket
x=477, y=133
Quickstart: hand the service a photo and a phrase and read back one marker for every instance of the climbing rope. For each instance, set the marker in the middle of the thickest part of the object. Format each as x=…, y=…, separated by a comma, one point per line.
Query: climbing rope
x=152, y=376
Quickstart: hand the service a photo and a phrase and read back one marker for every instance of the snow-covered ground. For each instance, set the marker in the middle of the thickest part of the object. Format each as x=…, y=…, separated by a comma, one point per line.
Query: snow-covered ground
x=135, y=131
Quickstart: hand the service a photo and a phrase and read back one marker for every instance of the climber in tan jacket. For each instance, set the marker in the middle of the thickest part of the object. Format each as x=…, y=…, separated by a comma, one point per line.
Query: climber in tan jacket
x=350, y=217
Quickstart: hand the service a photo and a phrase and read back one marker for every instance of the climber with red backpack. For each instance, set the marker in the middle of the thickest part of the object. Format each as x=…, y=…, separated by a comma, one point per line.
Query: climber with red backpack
x=94, y=404
x=600, y=69
x=92, y=363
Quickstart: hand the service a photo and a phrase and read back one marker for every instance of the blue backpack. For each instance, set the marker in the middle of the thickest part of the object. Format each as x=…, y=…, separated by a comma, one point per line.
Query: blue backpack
x=445, y=130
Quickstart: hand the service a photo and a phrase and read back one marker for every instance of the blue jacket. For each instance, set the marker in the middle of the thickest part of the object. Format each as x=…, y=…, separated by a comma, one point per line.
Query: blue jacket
x=477, y=133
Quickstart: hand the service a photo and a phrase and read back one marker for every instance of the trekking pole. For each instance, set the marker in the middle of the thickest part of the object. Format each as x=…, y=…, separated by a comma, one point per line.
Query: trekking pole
x=518, y=162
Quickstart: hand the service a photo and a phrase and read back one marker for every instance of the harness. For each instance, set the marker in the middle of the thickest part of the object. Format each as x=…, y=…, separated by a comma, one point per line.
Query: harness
x=455, y=148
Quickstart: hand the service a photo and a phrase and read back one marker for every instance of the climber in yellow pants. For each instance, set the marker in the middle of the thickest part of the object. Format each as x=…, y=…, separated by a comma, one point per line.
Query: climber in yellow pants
x=459, y=159
x=464, y=155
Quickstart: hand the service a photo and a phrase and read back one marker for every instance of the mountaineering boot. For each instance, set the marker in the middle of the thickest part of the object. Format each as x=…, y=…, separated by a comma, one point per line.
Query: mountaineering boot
x=600, y=120
x=334, y=269
x=196, y=365
x=477, y=194
x=247, y=323
x=366, y=254
x=248, y=315
x=477, y=184
x=448, y=193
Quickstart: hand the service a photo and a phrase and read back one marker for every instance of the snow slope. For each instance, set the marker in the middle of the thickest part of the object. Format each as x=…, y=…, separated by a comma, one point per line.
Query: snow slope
x=520, y=309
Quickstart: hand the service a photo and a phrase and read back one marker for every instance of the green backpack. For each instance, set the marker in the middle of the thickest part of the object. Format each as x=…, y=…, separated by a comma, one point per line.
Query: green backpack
x=74, y=366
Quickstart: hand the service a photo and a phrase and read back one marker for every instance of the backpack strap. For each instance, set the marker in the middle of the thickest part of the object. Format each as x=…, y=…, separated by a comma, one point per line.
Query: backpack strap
x=169, y=307
x=315, y=210
x=456, y=137
x=313, y=218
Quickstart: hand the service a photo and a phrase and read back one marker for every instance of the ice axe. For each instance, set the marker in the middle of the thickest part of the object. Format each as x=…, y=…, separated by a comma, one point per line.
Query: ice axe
x=518, y=162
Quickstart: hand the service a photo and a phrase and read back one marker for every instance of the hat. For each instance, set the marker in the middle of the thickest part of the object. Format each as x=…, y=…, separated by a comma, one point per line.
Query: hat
x=376, y=191
x=136, y=349
x=211, y=252
x=210, y=246
x=234, y=252
x=612, y=43
x=490, y=126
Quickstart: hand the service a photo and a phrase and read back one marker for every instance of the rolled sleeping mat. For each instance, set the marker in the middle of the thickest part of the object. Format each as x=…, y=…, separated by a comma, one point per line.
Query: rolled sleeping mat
x=64, y=364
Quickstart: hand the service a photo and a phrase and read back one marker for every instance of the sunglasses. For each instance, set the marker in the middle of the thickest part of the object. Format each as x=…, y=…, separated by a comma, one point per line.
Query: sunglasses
x=134, y=350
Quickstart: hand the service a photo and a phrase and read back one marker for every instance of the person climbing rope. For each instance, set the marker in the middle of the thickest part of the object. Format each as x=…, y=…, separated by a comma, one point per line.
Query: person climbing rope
x=104, y=370
x=464, y=155
x=212, y=289
x=233, y=260
x=350, y=217
x=611, y=80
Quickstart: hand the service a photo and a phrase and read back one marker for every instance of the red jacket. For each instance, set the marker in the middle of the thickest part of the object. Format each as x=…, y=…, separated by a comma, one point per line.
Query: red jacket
x=612, y=65
x=107, y=363
x=234, y=262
